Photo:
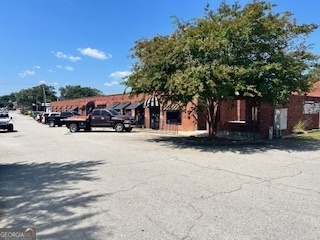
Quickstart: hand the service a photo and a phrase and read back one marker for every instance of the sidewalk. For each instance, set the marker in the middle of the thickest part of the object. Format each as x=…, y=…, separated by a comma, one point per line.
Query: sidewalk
x=199, y=133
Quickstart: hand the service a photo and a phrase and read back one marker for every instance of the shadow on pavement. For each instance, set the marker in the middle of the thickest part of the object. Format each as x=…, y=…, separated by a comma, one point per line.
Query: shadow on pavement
x=46, y=196
x=239, y=146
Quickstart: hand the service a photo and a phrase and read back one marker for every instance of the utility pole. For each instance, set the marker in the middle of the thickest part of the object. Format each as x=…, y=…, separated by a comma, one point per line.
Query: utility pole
x=45, y=98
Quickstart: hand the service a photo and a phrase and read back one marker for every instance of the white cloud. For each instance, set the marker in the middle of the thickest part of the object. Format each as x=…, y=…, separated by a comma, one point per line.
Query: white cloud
x=119, y=74
x=42, y=82
x=94, y=53
x=55, y=83
x=67, y=56
x=37, y=67
x=68, y=68
x=50, y=70
x=61, y=55
x=117, y=77
x=74, y=59
x=26, y=73
x=110, y=84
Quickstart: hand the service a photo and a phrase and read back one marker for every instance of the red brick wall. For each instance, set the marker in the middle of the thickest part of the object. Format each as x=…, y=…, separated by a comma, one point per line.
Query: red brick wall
x=295, y=114
x=230, y=112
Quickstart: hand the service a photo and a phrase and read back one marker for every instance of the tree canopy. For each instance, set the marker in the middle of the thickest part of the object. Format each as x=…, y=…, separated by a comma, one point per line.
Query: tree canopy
x=35, y=95
x=7, y=100
x=233, y=52
x=72, y=92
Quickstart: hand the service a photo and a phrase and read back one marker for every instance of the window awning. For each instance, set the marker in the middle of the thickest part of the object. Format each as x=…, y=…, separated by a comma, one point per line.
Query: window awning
x=112, y=105
x=73, y=108
x=135, y=105
x=172, y=107
x=152, y=101
x=122, y=105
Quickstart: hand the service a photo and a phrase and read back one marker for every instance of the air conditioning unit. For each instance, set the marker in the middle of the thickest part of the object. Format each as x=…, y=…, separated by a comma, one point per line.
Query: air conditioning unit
x=280, y=119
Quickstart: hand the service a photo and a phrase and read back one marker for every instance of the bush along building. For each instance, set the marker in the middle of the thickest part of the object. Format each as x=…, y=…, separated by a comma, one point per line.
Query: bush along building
x=247, y=117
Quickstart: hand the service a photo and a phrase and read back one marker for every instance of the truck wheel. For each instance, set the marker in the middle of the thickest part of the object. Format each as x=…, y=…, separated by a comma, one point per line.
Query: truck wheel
x=128, y=129
x=119, y=127
x=51, y=124
x=10, y=128
x=73, y=127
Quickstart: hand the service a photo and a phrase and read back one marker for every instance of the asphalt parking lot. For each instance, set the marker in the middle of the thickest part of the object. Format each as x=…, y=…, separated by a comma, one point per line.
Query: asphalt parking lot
x=145, y=185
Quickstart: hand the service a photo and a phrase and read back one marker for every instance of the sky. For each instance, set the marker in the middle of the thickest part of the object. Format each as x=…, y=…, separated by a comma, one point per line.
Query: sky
x=89, y=42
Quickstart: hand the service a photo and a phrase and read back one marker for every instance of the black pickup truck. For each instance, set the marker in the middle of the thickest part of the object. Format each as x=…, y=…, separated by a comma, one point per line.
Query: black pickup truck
x=56, y=120
x=99, y=118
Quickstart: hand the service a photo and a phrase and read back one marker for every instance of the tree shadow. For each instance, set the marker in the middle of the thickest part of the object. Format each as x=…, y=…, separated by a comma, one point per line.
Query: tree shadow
x=239, y=146
x=46, y=196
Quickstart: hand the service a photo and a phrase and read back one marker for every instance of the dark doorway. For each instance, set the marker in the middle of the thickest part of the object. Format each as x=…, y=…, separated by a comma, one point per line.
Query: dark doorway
x=154, y=117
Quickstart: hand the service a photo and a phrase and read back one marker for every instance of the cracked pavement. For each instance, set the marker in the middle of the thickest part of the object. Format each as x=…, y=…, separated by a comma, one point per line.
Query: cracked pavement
x=145, y=185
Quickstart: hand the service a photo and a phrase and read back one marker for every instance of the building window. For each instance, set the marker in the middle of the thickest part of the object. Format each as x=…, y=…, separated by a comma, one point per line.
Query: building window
x=173, y=117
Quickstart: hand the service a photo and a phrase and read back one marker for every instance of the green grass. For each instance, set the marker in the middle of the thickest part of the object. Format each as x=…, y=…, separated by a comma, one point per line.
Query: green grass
x=309, y=135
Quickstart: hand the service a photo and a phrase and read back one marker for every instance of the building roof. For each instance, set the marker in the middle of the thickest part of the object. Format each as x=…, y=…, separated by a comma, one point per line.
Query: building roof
x=122, y=105
x=112, y=105
x=135, y=105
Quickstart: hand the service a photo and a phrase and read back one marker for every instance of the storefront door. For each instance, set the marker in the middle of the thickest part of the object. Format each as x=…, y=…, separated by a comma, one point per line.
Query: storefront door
x=154, y=117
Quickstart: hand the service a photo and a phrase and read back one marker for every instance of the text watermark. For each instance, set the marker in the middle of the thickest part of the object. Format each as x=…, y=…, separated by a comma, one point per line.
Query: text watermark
x=18, y=234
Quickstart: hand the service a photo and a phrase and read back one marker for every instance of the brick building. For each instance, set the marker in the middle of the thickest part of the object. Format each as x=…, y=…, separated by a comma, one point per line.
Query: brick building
x=248, y=116
x=147, y=111
x=241, y=116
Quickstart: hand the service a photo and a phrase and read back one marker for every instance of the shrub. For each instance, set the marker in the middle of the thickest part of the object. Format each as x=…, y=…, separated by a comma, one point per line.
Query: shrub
x=301, y=126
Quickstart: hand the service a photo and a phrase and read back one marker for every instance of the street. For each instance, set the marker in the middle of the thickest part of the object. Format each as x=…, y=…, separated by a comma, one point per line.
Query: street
x=145, y=185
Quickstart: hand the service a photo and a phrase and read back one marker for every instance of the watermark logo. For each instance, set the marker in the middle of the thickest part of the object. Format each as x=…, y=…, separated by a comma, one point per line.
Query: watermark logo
x=18, y=234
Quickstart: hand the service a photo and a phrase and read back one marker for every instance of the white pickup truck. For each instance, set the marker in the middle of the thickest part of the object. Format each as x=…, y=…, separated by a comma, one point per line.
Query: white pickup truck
x=6, y=122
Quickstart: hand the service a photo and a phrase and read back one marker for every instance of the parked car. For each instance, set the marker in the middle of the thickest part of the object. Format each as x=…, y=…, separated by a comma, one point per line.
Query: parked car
x=37, y=116
x=46, y=116
x=6, y=122
x=56, y=119
x=100, y=118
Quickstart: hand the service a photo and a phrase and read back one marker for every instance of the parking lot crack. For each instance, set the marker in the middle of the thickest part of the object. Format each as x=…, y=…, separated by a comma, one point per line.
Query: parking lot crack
x=200, y=213
x=225, y=192
x=288, y=176
x=159, y=225
x=127, y=189
x=304, y=161
x=296, y=188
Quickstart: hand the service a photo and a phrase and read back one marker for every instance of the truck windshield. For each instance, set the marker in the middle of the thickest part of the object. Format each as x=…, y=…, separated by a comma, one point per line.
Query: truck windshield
x=4, y=115
x=114, y=112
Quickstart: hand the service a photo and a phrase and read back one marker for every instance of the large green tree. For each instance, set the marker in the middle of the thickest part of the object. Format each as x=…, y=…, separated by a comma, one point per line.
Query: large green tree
x=233, y=52
x=72, y=92
x=35, y=95
x=7, y=100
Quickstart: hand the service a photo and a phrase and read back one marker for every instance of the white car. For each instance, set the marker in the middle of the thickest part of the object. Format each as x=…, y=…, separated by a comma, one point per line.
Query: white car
x=6, y=122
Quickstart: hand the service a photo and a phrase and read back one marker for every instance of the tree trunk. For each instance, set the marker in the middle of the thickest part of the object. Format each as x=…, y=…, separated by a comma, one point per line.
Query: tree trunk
x=213, y=112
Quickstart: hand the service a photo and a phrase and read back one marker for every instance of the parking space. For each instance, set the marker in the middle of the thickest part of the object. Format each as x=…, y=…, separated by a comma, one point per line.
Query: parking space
x=141, y=185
